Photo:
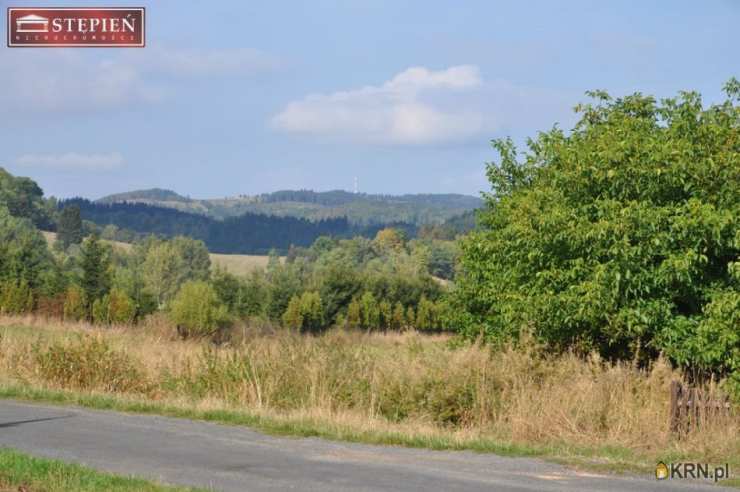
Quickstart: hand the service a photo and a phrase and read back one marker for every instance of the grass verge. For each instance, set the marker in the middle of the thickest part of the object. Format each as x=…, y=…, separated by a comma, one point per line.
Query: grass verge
x=604, y=459
x=21, y=472
x=402, y=389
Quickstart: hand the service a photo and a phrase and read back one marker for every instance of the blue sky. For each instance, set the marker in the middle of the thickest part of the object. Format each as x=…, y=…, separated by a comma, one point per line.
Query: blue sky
x=250, y=97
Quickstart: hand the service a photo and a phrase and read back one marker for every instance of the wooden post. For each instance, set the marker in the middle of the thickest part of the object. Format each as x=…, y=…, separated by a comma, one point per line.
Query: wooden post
x=674, y=406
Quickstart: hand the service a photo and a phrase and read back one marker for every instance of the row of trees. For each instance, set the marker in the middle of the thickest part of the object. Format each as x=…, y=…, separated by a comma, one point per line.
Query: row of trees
x=306, y=313
x=313, y=288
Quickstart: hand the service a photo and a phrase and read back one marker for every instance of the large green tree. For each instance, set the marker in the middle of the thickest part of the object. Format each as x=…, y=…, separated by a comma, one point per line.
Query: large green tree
x=95, y=264
x=620, y=236
x=24, y=198
x=23, y=252
x=69, y=226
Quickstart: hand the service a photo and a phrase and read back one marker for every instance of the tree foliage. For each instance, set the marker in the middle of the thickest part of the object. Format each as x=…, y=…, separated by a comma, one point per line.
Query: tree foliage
x=621, y=236
x=95, y=263
x=197, y=310
x=24, y=198
x=69, y=226
x=23, y=251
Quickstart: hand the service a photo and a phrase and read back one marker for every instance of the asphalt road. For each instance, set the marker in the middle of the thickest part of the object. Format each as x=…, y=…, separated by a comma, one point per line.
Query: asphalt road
x=230, y=458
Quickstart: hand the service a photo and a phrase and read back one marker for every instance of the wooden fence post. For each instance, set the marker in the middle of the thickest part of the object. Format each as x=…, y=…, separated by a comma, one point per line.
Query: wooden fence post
x=693, y=407
x=674, y=406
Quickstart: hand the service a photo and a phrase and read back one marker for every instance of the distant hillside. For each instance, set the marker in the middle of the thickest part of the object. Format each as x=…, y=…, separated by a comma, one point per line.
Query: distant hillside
x=153, y=194
x=249, y=233
x=360, y=209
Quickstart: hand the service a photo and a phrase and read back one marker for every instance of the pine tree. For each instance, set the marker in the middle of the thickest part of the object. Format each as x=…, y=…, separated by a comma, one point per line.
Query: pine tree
x=69, y=227
x=95, y=276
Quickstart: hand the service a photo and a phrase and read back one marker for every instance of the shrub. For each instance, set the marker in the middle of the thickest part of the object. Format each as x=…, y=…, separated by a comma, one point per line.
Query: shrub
x=386, y=314
x=16, y=298
x=398, y=319
x=426, y=318
x=312, y=311
x=292, y=317
x=74, y=304
x=354, y=314
x=620, y=236
x=100, y=308
x=370, y=311
x=410, y=317
x=121, y=308
x=304, y=312
x=197, y=310
x=89, y=363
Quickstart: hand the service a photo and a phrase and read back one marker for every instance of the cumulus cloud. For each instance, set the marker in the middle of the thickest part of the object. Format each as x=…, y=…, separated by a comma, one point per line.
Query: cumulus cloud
x=72, y=160
x=414, y=107
x=66, y=80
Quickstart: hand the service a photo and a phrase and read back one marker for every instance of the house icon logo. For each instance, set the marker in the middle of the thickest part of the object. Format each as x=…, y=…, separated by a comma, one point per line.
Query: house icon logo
x=32, y=23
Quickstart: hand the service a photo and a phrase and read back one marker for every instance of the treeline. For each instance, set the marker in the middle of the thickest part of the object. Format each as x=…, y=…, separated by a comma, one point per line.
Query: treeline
x=340, y=197
x=379, y=283
x=246, y=234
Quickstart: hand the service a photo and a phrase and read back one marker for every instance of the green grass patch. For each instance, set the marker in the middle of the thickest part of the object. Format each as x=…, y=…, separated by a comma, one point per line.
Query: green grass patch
x=19, y=471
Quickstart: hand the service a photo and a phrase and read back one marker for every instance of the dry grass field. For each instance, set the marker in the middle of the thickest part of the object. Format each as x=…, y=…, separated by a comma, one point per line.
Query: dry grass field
x=236, y=264
x=240, y=264
x=400, y=388
x=51, y=237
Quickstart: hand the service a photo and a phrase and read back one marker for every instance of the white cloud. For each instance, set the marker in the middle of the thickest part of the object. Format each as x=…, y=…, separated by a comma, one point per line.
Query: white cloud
x=66, y=80
x=72, y=160
x=414, y=107
x=77, y=81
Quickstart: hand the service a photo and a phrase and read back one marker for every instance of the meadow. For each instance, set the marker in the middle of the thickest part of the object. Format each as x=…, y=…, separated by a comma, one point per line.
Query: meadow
x=388, y=388
x=234, y=264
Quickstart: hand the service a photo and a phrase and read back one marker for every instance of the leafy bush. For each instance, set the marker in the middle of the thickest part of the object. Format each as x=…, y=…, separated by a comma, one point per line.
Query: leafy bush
x=121, y=308
x=100, y=311
x=370, y=311
x=74, y=304
x=292, y=317
x=16, y=297
x=197, y=310
x=621, y=236
x=304, y=312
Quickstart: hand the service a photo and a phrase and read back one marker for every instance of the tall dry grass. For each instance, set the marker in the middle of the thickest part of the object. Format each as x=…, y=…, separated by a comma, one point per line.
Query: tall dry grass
x=404, y=382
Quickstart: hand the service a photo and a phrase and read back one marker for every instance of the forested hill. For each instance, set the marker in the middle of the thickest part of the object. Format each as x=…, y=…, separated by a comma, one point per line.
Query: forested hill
x=153, y=194
x=249, y=233
x=360, y=209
